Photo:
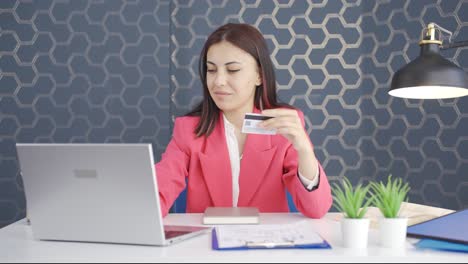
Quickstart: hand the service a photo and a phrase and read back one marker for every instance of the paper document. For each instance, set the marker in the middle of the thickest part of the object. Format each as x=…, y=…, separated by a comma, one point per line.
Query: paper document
x=267, y=236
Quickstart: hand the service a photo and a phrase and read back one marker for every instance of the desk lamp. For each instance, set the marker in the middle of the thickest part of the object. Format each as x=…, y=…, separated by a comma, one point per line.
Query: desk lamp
x=431, y=76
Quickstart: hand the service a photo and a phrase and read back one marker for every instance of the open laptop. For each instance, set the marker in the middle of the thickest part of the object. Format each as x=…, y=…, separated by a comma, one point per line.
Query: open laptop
x=96, y=193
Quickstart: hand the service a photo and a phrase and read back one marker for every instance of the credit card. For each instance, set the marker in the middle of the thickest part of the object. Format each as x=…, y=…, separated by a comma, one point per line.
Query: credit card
x=251, y=121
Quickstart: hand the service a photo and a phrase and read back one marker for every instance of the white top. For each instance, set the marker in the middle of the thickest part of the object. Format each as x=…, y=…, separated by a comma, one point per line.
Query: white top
x=235, y=158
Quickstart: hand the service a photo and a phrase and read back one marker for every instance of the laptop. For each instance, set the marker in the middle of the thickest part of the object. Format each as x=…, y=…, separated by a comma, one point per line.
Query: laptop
x=452, y=227
x=103, y=193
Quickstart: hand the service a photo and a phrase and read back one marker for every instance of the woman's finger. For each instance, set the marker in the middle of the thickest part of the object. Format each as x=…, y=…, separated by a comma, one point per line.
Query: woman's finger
x=277, y=122
x=279, y=112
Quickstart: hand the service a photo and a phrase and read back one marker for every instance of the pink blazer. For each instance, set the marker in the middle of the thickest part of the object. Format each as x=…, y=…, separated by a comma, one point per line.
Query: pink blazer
x=268, y=168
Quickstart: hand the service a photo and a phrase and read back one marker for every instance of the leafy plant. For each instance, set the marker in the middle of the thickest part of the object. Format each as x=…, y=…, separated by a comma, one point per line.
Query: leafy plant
x=388, y=198
x=351, y=201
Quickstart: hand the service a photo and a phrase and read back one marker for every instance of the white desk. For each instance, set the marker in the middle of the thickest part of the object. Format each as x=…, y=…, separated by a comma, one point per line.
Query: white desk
x=18, y=245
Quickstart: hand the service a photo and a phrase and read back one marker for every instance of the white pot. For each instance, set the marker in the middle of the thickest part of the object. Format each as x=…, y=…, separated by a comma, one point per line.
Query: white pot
x=392, y=232
x=355, y=232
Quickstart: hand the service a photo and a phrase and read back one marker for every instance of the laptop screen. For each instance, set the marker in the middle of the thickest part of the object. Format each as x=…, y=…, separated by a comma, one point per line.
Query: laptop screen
x=451, y=227
x=92, y=192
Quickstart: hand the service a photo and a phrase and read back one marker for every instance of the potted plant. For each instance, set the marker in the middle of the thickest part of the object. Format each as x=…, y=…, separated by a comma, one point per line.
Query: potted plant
x=388, y=198
x=353, y=203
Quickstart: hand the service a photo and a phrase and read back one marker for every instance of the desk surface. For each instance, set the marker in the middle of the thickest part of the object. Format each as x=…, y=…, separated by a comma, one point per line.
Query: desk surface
x=18, y=245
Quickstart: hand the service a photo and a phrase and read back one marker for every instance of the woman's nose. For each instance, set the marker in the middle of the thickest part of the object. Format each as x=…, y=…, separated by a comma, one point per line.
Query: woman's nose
x=220, y=79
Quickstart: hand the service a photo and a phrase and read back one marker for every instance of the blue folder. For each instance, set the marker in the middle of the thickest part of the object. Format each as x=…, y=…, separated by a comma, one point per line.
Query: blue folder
x=215, y=245
x=441, y=245
x=450, y=228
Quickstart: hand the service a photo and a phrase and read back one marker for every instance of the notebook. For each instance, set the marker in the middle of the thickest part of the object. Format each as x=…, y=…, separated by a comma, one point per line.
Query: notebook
x=230, y=215
x=278, y=236
x=451, y=227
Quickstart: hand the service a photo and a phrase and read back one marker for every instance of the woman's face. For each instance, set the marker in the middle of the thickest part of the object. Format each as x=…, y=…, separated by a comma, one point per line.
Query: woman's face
x=232, y=76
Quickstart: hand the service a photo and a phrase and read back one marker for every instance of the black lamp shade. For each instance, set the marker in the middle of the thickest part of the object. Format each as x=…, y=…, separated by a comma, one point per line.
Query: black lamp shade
x=430, y=76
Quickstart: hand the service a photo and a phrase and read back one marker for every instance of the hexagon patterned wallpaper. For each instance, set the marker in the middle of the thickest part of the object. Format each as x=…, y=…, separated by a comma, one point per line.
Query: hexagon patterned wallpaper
x=119, y=71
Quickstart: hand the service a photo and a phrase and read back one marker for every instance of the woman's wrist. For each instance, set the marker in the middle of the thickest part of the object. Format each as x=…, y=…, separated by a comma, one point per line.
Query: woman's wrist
x=304, y=147
x=306, y=151
x=307, y=160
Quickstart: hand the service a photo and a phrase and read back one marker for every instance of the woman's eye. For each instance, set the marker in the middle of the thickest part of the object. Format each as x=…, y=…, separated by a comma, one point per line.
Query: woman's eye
x=233, y=71
x=211, y=70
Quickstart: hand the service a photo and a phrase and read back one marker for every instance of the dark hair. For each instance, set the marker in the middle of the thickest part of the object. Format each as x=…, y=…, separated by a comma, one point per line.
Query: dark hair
x=249, y=39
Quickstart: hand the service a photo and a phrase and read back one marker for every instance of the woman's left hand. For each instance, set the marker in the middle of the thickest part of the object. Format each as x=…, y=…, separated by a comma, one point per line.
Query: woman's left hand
x=287, y=123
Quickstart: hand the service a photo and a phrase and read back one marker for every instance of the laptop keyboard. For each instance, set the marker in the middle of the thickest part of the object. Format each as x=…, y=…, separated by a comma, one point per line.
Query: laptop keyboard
x=172, y=233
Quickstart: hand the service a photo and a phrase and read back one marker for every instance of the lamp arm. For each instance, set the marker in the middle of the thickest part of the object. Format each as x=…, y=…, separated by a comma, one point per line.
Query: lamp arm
x=451, y=44
x=456, y=44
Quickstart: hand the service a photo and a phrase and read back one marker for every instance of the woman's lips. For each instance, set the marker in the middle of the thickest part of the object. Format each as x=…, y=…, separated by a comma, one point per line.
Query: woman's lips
x=222, y=93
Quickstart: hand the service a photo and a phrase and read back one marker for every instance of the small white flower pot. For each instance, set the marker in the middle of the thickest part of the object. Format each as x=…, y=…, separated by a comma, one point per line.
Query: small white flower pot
x=355, y=232
x=392, y=232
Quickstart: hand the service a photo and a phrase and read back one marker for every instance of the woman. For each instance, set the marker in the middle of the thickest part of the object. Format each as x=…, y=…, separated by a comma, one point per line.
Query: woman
x=225, y=167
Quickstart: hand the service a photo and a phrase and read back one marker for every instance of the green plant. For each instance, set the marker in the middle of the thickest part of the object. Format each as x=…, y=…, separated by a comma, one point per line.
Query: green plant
x=351, y=201
x=388, y=198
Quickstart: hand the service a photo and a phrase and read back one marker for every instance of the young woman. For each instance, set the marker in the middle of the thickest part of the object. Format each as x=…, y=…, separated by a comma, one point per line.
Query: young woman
x=225, y=167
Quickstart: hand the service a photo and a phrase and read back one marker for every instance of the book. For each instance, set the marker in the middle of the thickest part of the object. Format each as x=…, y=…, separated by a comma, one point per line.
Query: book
x=279, y=236
x=231, y=215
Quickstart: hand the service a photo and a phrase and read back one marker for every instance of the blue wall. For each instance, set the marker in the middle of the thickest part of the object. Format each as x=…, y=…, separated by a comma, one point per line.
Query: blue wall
x=119, y=71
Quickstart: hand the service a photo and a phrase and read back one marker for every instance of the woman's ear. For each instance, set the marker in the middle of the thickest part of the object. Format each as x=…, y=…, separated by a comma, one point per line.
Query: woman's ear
x=258, y=81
